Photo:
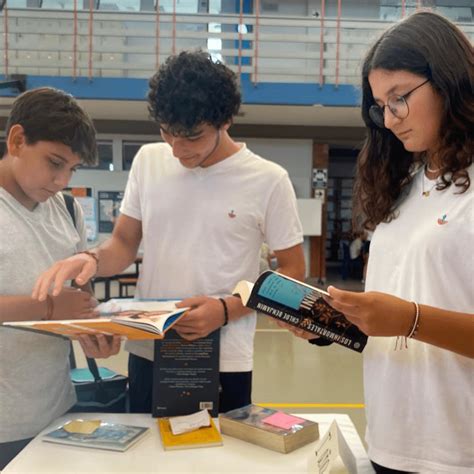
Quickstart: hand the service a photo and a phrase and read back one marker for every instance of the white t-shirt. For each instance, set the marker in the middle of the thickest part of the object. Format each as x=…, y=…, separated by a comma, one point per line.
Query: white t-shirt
x=420, y=400
x=35, y=387
x=203, y=229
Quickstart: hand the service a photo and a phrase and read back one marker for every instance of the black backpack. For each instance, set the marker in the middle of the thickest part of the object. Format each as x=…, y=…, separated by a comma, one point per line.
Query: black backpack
x=97, y=394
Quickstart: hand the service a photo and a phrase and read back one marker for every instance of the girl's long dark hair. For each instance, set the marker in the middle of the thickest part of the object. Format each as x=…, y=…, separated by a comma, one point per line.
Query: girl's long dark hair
x=428, y=45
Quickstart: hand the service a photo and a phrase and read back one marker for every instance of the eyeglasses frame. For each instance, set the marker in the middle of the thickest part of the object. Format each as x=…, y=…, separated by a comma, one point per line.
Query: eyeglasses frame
x=381, y=109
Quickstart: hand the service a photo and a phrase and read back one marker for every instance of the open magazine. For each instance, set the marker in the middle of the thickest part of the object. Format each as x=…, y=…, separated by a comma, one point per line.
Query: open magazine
x=300, y=305
x=133, y=319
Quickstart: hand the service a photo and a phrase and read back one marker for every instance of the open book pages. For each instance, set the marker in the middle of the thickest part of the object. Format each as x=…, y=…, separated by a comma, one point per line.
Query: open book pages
x=132, y=319
x=110, y=436
x=153, y=316
x=300, y=305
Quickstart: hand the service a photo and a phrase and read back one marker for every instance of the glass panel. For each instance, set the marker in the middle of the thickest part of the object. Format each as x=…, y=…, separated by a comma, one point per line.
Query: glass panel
x=129, y=150
x=61, y=4
x=122, y=5
x=16, y=3
x=106, y=158
x=183, y=6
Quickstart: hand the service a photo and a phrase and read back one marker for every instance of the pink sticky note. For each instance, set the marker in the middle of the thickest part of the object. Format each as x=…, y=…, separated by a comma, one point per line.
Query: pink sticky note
x=282, y=420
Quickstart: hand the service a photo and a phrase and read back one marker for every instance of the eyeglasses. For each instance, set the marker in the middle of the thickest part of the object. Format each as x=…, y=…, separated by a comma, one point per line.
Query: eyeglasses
x=397, y=105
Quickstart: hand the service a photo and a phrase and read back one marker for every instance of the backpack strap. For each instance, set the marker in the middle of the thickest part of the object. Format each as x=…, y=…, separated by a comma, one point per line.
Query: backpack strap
x=69, y=200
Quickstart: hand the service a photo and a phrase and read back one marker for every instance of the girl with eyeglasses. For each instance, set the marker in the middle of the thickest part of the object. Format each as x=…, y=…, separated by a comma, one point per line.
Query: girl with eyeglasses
x=413, y=186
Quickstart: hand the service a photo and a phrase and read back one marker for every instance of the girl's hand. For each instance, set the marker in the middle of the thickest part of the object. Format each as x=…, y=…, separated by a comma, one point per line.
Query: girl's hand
x=374, y=313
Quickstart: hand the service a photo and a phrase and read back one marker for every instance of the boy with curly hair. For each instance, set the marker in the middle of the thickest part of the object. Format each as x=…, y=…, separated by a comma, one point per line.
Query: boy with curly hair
x=202, y=204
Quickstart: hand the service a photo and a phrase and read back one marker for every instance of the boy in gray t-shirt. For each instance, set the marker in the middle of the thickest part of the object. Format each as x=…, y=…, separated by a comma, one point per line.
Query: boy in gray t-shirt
x=48, y=137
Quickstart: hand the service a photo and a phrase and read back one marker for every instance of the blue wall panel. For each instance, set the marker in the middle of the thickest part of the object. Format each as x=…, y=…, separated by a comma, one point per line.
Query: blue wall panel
x=261, y=93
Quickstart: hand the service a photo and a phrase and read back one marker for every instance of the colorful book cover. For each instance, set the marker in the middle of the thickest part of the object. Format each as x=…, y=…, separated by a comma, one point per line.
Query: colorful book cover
x=302, y=306
x=109, y=436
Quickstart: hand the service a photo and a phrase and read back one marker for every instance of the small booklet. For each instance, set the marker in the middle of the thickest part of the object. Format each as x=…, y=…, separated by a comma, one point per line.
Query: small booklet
x=192, y=432
x=300, y=305
x=133, y=319
x=110, y=436
x=268, y=428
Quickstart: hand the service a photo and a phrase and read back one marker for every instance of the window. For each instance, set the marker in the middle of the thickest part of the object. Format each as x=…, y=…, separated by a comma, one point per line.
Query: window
x=106, y=158
x=129, y=150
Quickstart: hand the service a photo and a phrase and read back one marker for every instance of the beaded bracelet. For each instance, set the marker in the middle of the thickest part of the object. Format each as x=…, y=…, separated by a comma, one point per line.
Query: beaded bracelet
x=91, y=254
x=226, y=311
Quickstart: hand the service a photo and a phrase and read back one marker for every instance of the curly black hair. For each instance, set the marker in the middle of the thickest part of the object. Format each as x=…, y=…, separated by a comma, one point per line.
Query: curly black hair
x=190, y=89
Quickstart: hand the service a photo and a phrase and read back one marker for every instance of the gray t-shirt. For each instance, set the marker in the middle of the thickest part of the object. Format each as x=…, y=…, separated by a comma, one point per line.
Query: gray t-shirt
x=35, y=386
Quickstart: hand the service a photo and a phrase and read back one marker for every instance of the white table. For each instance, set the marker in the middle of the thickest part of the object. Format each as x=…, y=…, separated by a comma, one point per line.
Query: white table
x=148, y=456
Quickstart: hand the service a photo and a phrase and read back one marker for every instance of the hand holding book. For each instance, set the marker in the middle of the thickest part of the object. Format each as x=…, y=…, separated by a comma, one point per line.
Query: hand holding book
x=99, y=346
x=296, y=331
x=206, y=314
x=301, y=306
x=364, y=310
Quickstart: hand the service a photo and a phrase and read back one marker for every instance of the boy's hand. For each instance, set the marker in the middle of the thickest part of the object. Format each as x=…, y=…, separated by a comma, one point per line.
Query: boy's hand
x=80, y=267
x=73, y=303
x=206, y=315
x=99, y=346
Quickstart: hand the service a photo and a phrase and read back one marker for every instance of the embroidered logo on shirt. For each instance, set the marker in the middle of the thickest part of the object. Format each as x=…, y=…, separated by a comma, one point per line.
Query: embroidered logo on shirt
x=232, y=214
x=442, y=220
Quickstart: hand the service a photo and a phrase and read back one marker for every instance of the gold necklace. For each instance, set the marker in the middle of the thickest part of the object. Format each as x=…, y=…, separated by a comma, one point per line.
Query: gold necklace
x=428, y=191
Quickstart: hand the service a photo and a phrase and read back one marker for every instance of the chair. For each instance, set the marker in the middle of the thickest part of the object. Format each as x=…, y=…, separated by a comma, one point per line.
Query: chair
x=125, y=284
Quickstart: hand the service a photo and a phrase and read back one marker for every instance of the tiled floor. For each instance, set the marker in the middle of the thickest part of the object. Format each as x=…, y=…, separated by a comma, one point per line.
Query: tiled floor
x=297, y=376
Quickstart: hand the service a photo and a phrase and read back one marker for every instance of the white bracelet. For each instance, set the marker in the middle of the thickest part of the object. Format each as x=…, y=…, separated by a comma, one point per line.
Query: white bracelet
x=416, y=320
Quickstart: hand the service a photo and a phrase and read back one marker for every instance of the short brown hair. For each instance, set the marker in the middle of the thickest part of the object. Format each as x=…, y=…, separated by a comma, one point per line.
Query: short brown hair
x=48, y=114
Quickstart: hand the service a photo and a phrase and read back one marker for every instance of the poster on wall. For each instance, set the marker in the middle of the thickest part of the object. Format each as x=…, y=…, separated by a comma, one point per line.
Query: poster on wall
x=78, y=191
x=90, y=217
x=320, y=178
x=109, y=205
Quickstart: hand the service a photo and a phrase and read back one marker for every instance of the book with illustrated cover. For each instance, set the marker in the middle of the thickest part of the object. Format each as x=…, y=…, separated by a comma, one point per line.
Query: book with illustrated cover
x=109, y=436
x=300, y=305
x=133, y=319
x=271, y=429
x=205, y=437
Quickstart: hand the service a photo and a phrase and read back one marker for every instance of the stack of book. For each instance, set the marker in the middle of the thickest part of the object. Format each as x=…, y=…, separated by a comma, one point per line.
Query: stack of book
x=268, y=428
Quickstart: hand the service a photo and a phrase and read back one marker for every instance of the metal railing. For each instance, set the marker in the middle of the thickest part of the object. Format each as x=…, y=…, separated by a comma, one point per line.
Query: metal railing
x=108, y=44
